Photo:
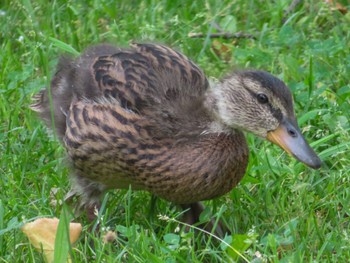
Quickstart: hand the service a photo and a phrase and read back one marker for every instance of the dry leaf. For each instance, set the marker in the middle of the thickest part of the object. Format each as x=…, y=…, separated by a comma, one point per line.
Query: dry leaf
x=109, y=237
x=337, y=6
x=222, y=51
x=42, y=233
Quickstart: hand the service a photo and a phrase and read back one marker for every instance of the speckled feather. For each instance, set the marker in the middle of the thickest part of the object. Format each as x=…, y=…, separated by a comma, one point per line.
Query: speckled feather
x=137, y=117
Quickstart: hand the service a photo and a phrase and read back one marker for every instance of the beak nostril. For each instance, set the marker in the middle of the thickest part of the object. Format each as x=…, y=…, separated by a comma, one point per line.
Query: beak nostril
x=292, y=132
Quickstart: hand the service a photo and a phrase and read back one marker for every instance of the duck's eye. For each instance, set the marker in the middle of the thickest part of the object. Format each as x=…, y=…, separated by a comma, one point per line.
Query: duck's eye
x=262, y=98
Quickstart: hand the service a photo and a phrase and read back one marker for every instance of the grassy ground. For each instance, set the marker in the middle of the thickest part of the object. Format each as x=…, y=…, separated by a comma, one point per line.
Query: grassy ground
x=289, y=213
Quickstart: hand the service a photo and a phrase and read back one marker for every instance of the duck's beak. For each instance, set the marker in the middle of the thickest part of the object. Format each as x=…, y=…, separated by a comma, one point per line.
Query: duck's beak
x=288, y=136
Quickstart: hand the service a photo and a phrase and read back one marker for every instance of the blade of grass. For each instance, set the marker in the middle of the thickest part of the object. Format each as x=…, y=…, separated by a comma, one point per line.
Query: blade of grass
x=62, y=241
x=63, y=46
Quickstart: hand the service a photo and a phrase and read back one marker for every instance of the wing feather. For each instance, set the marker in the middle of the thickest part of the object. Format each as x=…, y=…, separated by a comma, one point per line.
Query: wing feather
x=152, y=80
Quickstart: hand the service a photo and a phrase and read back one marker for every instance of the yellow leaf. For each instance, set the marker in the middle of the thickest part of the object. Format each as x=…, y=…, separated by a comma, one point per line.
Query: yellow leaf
x=42, y=233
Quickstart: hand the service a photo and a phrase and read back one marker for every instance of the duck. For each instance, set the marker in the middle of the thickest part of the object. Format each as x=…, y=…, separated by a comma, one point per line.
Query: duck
x=146, y=117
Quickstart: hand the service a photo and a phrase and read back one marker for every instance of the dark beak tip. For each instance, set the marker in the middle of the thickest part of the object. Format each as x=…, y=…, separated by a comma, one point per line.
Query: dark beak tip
x=317, y=164
x=314, y=163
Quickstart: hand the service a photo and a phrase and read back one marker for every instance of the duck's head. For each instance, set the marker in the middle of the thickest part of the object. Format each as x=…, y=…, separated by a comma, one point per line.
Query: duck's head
x=257, y=102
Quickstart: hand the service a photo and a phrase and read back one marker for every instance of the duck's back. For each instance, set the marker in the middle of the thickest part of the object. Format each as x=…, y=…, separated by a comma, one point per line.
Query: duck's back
x=148, y=79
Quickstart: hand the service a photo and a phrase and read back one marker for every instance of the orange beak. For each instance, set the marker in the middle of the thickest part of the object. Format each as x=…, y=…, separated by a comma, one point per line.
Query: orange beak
x=290, y=139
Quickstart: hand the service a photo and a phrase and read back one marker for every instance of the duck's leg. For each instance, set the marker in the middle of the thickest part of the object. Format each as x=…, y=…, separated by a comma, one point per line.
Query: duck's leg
x=191, y=217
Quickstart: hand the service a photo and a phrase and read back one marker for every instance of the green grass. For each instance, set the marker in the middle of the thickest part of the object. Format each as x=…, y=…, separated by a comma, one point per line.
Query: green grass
x=291, y=213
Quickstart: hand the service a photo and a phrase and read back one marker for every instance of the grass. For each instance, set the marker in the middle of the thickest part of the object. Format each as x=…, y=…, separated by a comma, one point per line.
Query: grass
x=289, y=213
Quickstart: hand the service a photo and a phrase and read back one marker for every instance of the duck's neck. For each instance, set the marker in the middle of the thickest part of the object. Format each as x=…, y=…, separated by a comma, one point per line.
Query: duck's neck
x=211, y=103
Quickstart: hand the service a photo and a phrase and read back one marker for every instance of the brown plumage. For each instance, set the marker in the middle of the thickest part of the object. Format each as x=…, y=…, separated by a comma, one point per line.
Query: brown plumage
x=146, y=117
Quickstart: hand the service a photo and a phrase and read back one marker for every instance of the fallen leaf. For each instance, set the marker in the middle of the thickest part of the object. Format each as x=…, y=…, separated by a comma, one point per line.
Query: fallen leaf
x=222, y=51
x=109, y=237
x=337, y=6
x=42, y=233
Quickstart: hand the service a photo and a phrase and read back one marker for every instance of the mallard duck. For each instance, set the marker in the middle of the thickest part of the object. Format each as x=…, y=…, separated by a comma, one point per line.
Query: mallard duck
x=146, y=117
